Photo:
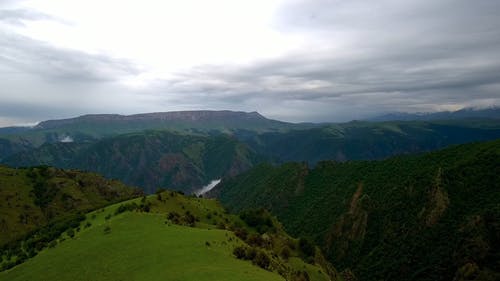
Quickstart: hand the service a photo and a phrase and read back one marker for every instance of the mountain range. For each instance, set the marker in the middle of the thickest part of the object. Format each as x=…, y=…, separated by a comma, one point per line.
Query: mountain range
x=362, y=200
x=186, y=150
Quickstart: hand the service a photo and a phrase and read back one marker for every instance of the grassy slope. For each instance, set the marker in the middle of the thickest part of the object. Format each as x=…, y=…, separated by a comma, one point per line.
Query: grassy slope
x=427, y=217
x=142, y=246
x=61, y=194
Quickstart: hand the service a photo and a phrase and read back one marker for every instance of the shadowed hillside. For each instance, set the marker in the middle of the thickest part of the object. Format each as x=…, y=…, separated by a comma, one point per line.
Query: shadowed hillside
x=429, y=217
x=150, y=159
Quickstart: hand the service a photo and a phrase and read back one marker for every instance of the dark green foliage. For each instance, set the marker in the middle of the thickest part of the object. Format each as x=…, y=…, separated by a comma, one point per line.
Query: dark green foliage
x=259, y=219
x=370, y=140
x=239, y=252
x=107, y=229
x=306, y=247
x=148, y=159
x=262, y=260
x=35, y=241
x=258, y=257
x=127, y=207
x=187, y=219
x=427, y=217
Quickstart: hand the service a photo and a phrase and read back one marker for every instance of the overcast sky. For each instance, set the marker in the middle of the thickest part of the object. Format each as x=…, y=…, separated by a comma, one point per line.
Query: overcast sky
x=311, y=60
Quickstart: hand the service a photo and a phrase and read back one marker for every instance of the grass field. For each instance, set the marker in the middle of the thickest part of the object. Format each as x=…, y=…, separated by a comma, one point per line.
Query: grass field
x=140, y=246
x=145, y=245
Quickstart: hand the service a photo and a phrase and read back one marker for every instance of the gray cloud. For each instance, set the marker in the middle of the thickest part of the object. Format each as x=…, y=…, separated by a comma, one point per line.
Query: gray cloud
x=360, y=58
x=17, y=16
x=32, y=56
x=393, y=56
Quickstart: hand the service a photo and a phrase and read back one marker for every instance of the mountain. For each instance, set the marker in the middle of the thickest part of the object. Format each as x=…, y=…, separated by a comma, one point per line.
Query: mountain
x=91, y=127
x=168, y=236
x=36, y=197
x=465, y=113
x=149, y=159
x=434, y=216
x=187, y=161
x=359, y=140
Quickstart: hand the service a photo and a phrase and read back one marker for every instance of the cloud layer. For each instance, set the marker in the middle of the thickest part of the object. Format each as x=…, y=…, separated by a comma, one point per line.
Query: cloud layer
x=355, y=59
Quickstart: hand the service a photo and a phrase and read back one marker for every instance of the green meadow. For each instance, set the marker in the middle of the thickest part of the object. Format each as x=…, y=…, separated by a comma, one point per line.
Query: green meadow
x=140, y=246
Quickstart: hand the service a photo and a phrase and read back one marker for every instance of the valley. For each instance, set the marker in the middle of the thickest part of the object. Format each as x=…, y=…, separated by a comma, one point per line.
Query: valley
x=392, y=200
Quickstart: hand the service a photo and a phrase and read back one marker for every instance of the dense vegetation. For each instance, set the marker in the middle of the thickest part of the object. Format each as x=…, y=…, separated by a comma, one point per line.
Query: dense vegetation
x=168, y=236
x=427, y=217
x=368, y=140
x=38, y=204
x=149, y=159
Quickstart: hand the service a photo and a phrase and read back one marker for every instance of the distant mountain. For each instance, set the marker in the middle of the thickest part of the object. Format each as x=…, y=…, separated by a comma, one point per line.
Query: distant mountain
x=466, y=113
x=203, y=119
x=359, y=140
x=187, y=161
x=429, y=217
x=89, y=128
x=150, y=159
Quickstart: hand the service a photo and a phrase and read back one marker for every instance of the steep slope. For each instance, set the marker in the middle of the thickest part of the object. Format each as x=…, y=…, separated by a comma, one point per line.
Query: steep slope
x=149, y=159
x=429, y=217
x=168, y=236
x=369, y=141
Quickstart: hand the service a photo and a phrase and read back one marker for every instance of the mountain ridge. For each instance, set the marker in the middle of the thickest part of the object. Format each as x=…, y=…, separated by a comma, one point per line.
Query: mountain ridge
x=191, y=115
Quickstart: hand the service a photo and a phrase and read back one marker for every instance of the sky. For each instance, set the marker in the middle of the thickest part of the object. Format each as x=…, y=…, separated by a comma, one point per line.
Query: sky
x=292, y=60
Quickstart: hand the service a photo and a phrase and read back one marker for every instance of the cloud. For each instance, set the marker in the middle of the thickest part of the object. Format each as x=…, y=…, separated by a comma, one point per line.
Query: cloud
x=31, y=56
x=355, y=59
x=365, y=58
x=18, y=16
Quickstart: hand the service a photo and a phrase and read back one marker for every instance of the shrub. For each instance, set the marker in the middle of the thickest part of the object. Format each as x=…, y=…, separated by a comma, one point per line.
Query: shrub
x=239, y=252
x=285, y=252
x=107, y=229
x=262, y=260
x=259, y=219
x=250, y=253
x=241, y=233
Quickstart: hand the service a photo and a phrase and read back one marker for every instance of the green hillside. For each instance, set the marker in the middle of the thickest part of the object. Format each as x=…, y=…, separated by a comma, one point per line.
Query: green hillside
x=36, y=197
x=434, y=216
x=149, y=159
x=369, y=140
x=168, y=236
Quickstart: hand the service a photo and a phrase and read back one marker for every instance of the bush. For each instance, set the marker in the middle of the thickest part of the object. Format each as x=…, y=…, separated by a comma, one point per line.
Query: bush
x=262, y=260
x=52, y=244
x=260, y=219
x=241, y=233
x=250, y=253
x=239, y=252
x=107, y=230
x=255, y=240
x=285, y=252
